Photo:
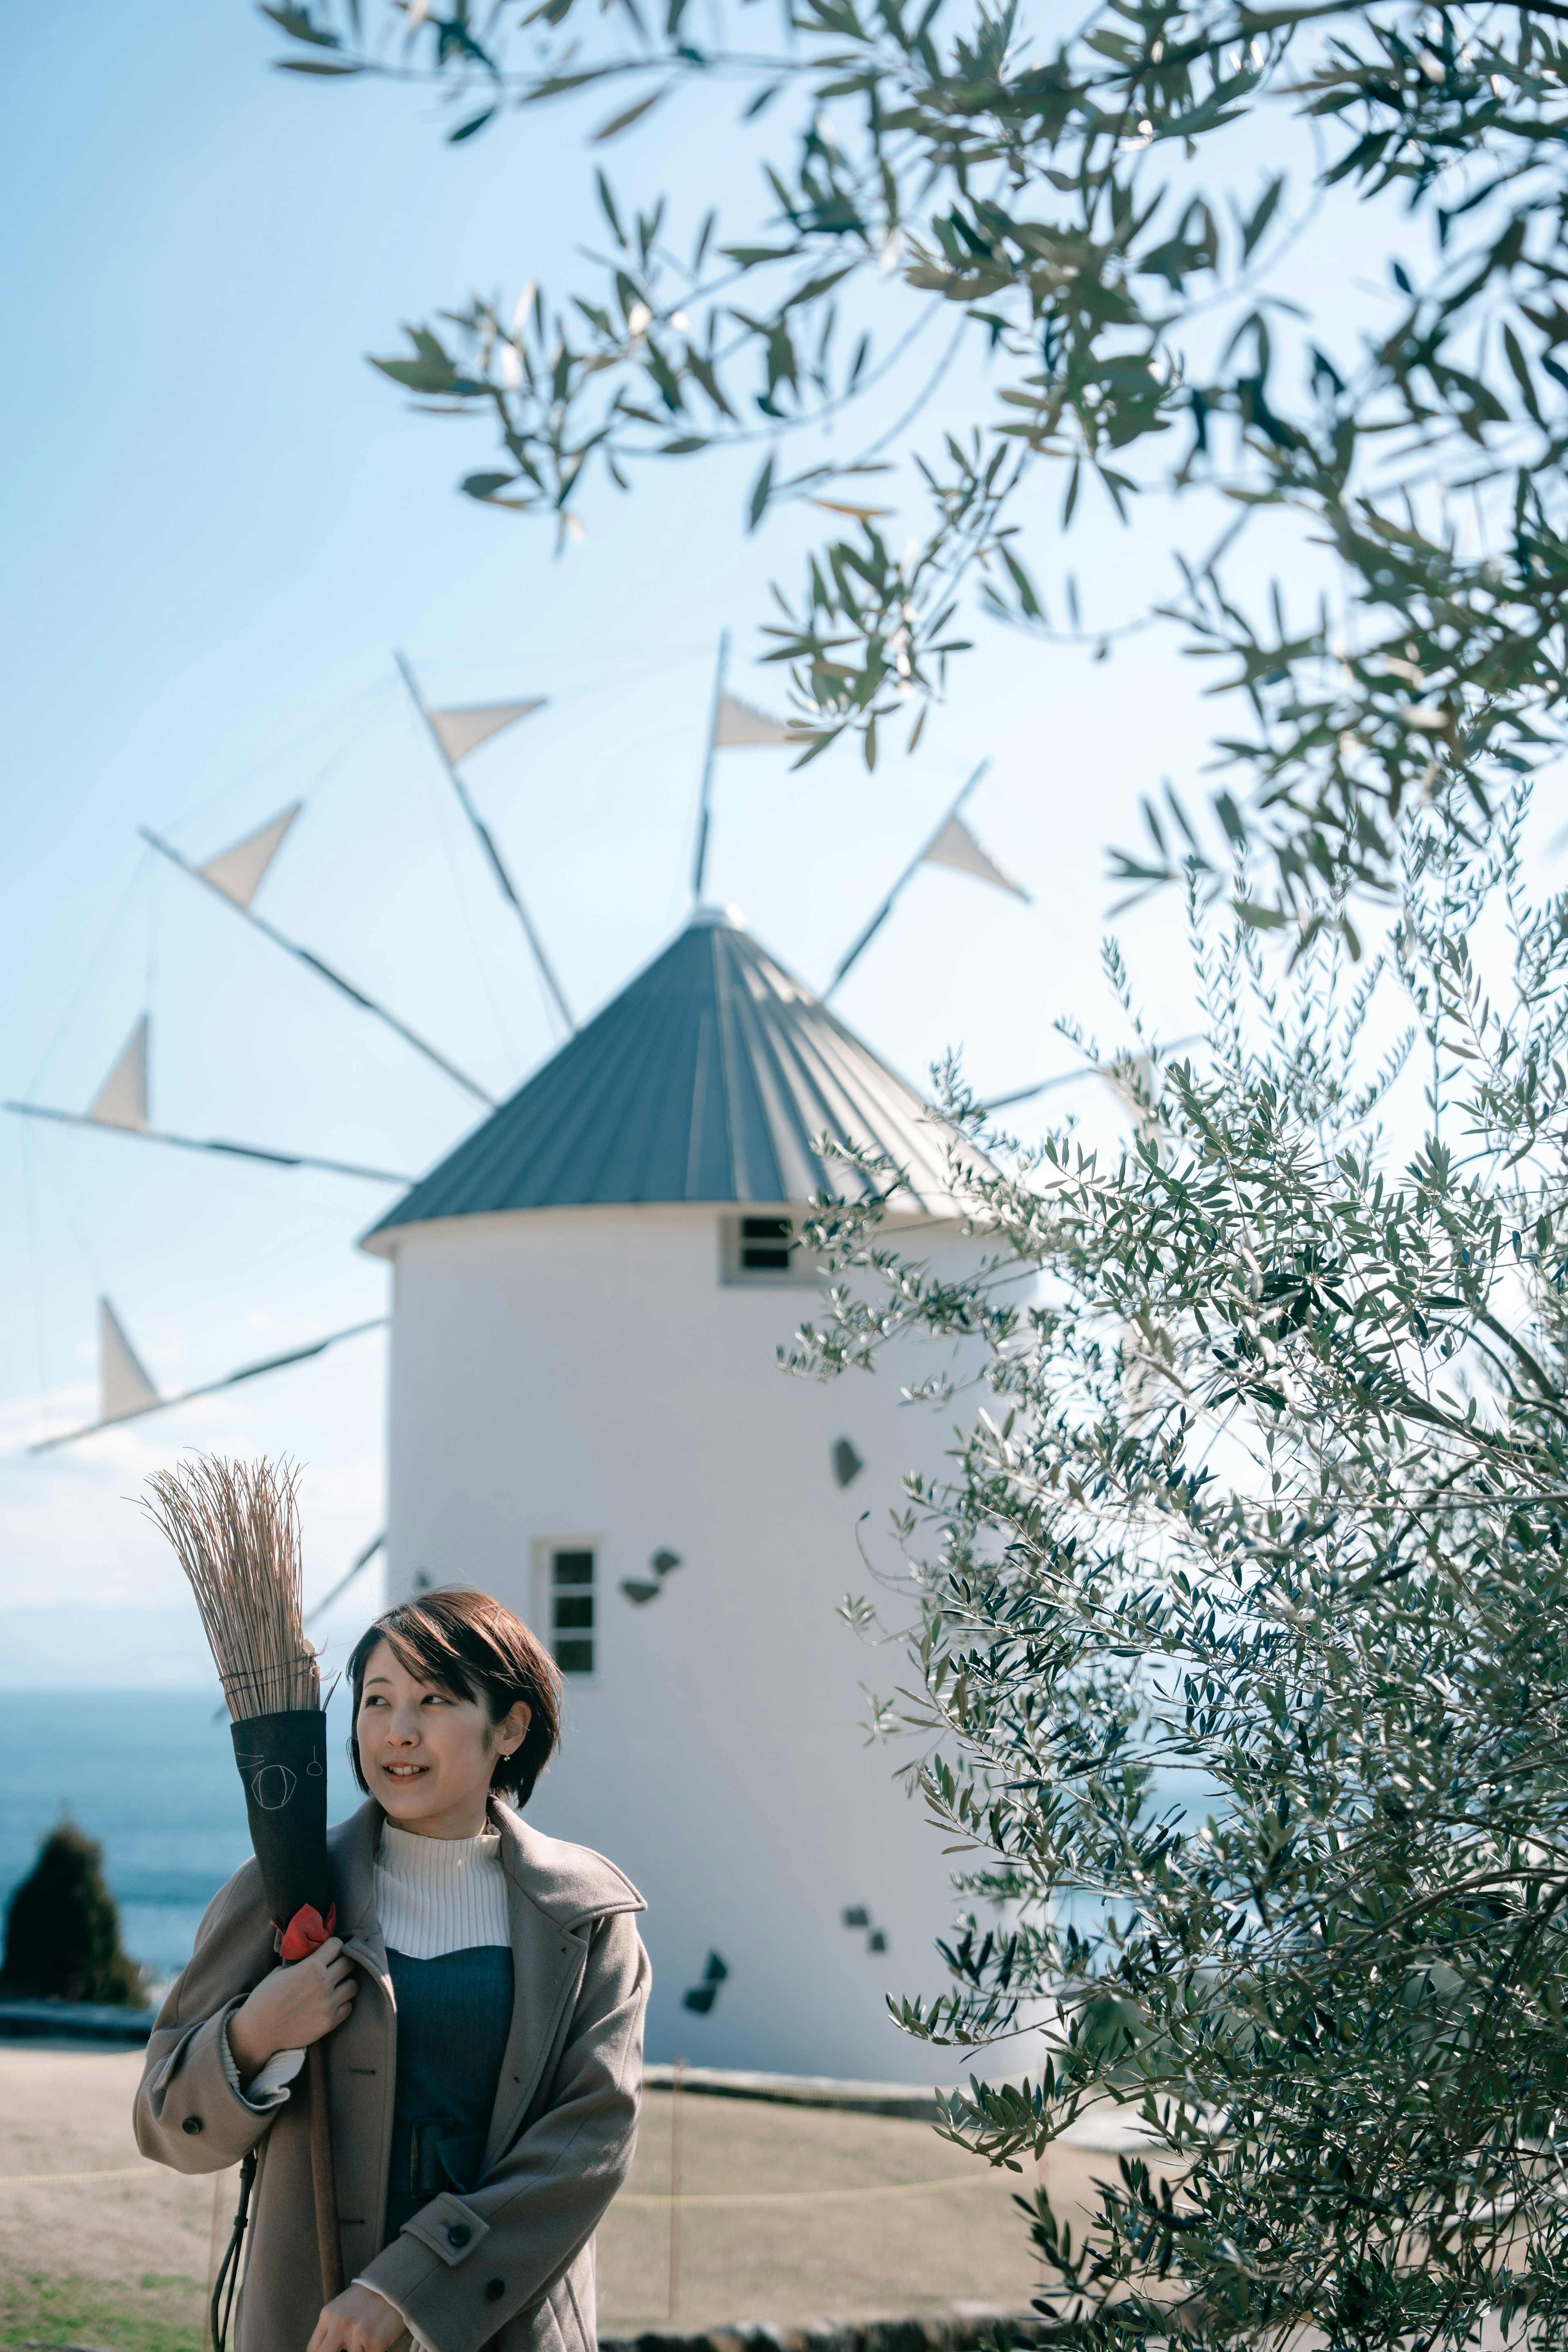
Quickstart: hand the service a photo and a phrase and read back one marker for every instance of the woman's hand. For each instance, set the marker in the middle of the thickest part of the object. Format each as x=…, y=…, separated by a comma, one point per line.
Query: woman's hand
x=293, y=2007
x=357, y=2320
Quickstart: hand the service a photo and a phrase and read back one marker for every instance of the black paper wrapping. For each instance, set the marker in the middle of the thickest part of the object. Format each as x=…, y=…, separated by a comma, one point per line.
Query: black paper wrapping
x=282, y=1760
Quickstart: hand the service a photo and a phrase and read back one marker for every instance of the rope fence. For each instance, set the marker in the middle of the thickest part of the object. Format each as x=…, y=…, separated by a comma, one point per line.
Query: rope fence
x=642, y=2198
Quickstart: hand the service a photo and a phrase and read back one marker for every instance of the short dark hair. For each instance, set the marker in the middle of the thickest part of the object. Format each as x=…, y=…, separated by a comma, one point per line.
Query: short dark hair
x=466, y=1644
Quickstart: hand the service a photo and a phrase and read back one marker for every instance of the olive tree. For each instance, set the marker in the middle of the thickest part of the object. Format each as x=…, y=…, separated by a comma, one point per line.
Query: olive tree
x=1242, y=1639
x=1072, y=203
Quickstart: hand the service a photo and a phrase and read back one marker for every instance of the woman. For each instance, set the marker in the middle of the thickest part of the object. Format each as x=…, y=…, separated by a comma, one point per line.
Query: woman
x=484, y=1996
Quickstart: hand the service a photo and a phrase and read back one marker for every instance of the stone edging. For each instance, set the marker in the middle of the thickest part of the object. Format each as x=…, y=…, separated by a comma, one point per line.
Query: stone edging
x=933, y=2334
x=912, y=2100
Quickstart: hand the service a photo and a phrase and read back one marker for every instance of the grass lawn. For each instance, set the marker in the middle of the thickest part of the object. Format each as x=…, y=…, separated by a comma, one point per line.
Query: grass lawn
x=157, y=2312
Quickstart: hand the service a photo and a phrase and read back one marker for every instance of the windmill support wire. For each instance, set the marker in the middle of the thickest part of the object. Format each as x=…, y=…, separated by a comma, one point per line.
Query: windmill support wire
x=1073, y=1078
x=362, y=1560
x=211, y=1388
x=323, y=970
x=202, y=1143
x=704, y=798
x=852, y=957
x=487, y=842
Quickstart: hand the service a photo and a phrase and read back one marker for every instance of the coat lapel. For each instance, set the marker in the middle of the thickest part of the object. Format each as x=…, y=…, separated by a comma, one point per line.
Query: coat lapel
x=547, y=1966
x=355, y=1843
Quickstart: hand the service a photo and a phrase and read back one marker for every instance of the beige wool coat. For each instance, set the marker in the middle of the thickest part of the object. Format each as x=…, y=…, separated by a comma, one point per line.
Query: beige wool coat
x=507, y=2266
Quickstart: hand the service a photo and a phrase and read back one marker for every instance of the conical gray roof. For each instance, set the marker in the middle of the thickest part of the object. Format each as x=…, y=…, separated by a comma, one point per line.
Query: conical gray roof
x=712, y=1076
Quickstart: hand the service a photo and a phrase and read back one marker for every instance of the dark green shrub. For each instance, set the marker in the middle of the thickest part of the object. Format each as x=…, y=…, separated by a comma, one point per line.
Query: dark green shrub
x=62, y=1930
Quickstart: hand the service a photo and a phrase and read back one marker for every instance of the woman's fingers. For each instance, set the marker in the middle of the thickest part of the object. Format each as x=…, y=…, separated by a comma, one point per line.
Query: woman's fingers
x=357, y=2320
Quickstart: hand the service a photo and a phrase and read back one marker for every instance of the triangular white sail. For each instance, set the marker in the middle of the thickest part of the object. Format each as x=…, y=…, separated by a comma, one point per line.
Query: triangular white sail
x=956, y=846
x=736, y=723
x=122, y=1099
x=461, y=732
x=238, y=872
x=125, y=1386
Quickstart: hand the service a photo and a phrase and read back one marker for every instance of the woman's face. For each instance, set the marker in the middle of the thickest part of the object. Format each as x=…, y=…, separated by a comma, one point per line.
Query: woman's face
x=427, y=1754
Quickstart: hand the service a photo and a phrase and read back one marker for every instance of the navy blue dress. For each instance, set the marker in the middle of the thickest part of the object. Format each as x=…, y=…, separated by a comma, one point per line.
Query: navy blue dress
x=454, y=2015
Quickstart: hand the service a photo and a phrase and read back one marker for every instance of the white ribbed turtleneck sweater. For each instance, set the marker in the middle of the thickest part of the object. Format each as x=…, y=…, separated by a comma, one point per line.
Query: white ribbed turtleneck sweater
x=440, y=1895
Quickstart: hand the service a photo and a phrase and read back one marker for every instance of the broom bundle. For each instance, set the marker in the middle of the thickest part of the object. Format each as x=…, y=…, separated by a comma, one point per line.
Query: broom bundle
x=235, y=1528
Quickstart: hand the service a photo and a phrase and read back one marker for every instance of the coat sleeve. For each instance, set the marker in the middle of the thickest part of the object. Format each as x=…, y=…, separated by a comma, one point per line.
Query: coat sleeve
x=464, y=2265
x=188, y=2114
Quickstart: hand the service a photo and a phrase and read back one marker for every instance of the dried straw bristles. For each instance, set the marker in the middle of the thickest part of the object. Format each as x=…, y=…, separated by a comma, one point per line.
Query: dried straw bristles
x=235, y=1526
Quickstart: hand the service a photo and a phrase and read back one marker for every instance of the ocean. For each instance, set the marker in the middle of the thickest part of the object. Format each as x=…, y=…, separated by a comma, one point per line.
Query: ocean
x=151, y=1775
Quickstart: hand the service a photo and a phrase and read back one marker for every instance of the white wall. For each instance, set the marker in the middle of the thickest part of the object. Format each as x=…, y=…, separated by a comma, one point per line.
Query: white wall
x=582, y=1372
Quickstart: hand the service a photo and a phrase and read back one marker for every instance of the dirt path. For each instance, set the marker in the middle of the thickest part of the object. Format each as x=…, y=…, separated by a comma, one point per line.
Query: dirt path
x=854, y=2216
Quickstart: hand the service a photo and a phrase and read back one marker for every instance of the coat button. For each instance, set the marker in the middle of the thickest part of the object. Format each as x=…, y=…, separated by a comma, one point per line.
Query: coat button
x=459, y=2234
x=495, y=2290
x=192, y=2124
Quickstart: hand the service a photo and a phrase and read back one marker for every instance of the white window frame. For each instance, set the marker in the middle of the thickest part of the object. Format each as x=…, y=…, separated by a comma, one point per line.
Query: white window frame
x=546, y=1548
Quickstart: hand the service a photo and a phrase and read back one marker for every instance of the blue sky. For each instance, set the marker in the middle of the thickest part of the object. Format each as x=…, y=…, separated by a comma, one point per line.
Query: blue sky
x=220, y=522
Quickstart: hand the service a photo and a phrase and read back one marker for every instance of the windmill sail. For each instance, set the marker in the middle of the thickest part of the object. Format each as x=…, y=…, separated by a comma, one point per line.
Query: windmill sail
x=125, y=1386
x=955, y=845
x=238, y=872
x=122, y=1099
x=738, y=723
x=461, y=732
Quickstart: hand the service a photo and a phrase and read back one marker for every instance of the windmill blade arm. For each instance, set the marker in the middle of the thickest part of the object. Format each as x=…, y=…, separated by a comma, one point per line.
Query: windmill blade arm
x=66, y=1118
x=277, y=1364
x=292, y=1159
x=1073, y=1077
x=210, y=1387
x=324, y=970
x=211, y=1143
x=508, y=890
x=486, y=842
x=362, y=1560
x=866, y=937
x=705, y=794
x=1028, y=1093
x=885, y=908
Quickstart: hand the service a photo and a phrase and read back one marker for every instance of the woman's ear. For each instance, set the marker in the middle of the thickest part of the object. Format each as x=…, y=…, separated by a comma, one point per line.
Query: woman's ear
x=512, y=1731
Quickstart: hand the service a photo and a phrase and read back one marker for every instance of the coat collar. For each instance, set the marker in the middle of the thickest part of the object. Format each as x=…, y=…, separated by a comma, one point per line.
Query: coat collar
x=569, y=1884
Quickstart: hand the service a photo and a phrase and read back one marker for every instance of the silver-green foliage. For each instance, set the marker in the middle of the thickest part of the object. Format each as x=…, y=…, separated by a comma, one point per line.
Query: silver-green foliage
x=1066, y=200
x=1243, y=1640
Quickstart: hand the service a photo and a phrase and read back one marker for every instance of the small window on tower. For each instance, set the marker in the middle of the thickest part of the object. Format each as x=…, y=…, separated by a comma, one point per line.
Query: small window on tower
x=765, y=1244
x=764, y=1250
x=571, y=1611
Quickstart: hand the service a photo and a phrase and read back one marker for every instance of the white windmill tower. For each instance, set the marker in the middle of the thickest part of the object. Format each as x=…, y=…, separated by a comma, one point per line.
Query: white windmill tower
x=586, y=1419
